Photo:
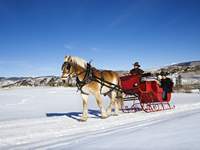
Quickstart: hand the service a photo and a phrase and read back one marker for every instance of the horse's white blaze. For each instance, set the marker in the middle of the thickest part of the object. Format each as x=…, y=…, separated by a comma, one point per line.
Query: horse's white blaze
x=64, y=76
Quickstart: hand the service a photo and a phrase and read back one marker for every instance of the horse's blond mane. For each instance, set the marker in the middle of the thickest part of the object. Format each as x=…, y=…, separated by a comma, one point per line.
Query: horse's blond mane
x=77, y=60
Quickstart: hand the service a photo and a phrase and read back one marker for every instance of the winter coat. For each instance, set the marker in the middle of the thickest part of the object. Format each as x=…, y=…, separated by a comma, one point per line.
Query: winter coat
x=167, y=84
x=136, y=71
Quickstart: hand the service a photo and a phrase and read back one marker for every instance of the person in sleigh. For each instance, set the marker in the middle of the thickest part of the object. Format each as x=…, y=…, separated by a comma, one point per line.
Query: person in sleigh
x=166, y=84
x=136, y=69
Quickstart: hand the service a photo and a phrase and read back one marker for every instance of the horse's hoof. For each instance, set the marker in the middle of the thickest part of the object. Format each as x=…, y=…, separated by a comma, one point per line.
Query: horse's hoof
x=115, y=114
x=104, y=117
x=108, y=112
x=83, y=119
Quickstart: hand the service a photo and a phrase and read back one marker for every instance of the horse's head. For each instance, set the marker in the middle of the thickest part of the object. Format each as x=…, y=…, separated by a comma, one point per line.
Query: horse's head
x=67, y=68
x=72, y=66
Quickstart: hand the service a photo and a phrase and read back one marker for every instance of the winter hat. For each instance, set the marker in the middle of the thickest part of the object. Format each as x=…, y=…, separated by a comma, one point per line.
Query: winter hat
x=136, y=64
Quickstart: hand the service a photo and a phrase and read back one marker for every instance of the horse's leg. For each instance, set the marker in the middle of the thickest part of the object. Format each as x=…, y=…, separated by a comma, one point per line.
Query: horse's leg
x=85, y=107
x=114, y=96
x=112, y=101
x=120, y=100
x=100, y=104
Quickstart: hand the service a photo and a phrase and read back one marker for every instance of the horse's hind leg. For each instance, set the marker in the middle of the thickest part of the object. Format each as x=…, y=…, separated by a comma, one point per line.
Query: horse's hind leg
x=113, y=102
x=120, y=100
x=114, y=95
x=100, y=104
x=109, y=108
x=85, y=107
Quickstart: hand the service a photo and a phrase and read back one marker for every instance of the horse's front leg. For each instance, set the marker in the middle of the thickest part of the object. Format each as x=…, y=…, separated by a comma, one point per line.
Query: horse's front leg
x=100, y=104
x=85, y=107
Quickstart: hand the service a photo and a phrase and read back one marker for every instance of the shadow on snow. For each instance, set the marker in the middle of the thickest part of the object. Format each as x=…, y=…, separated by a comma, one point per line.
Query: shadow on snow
x=75, y=115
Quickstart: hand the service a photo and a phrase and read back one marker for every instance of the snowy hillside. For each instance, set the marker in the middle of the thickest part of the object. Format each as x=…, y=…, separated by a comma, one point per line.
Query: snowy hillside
x=184, y=67
x=31, y=81
x=46, y=118
x=185, y=75
x=189, y=71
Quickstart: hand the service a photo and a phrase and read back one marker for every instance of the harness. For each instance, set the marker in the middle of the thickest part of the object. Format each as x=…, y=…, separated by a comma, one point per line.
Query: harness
x=89, y=77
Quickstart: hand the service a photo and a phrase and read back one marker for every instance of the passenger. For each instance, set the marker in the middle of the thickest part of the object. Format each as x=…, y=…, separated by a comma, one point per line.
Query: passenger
x=166, y=84
x=136, y=70
x=158, y=80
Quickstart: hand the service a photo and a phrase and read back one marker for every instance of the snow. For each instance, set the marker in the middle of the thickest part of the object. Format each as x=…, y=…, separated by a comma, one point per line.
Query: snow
x=24, y=124
x=6, y=82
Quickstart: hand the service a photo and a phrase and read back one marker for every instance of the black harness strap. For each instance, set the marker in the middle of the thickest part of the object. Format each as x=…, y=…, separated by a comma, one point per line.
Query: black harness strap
x=89, y=77
x=107, y=84
x=102, y=83
x=86, y=79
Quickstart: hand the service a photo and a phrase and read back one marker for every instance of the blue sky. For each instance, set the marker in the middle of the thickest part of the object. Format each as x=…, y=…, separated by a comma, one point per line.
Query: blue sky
x=35, y=35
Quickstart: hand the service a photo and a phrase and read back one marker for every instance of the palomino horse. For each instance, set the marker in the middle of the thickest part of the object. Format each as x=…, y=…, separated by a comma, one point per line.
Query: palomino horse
x=77, y=67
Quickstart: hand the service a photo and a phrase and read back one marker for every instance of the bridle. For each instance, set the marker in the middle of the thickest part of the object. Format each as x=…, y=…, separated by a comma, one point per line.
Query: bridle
x=79, y=83
x=68, y=66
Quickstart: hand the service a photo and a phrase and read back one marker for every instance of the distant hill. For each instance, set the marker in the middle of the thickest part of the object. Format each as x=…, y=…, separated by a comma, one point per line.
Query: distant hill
x=181, y=68
x=188, y=74
x=190, y=63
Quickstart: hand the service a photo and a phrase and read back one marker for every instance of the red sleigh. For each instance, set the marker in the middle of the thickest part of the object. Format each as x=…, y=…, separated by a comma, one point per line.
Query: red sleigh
x=144, y=95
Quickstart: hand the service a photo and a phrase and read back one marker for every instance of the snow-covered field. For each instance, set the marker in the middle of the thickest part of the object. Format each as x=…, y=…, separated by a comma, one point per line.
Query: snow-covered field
x=46, y=118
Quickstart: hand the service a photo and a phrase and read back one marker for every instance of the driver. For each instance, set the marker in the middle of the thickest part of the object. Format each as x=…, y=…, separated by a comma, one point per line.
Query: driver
x=136, y=70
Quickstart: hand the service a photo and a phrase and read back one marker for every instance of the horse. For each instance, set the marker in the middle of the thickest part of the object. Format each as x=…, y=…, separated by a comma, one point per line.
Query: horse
x=93, y=81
